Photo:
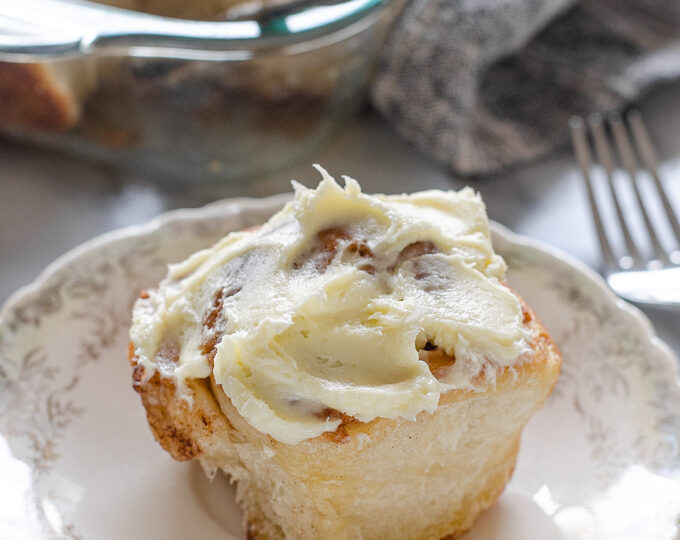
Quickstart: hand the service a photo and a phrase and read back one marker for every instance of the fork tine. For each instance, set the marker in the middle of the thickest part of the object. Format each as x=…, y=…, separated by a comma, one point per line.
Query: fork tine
x=585, y=161
x=648, y=155
x=624, y=149
x=606, y=157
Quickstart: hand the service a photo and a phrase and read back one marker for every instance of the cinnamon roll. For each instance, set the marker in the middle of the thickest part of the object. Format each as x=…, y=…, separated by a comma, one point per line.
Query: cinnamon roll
x=358, y=365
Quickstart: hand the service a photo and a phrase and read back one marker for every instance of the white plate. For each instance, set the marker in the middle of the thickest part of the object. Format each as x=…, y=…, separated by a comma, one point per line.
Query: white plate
x=601, y=461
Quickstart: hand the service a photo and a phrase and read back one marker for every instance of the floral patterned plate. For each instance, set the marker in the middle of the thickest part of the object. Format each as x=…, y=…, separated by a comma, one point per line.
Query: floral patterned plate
x=601, y=461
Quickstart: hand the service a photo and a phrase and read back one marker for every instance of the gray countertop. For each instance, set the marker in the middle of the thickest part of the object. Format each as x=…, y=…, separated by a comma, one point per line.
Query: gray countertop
x=50, y=203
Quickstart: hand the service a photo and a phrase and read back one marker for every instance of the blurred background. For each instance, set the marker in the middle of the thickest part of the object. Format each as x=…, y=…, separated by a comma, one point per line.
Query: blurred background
x=112, y=115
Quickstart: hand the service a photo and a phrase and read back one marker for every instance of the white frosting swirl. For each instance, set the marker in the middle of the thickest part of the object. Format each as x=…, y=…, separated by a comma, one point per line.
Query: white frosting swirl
x=326, y=305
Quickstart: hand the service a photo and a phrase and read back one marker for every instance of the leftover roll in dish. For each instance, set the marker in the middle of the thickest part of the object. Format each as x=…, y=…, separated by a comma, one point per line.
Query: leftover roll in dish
x=357, y=364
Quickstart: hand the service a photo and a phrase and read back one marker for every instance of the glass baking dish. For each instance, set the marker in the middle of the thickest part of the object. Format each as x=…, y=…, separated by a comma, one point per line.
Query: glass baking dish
x=185, y=99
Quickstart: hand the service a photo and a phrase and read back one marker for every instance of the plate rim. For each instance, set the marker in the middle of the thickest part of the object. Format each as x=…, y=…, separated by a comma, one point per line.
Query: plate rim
x=666, y=358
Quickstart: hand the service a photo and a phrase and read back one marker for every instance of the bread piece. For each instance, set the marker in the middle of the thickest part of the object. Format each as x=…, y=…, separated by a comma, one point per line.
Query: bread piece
x=44, y=96
x=426, y=477
x=49, y=96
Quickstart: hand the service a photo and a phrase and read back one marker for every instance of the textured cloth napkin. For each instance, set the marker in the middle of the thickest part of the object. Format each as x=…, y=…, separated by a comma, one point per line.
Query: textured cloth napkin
x=483, y=85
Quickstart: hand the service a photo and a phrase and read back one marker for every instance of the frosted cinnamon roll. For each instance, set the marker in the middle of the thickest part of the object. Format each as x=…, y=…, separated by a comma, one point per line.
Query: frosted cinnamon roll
x=357, y=364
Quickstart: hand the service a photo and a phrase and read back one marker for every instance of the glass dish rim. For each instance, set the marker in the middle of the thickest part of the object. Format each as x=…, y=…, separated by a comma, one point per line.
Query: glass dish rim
x=112, y=31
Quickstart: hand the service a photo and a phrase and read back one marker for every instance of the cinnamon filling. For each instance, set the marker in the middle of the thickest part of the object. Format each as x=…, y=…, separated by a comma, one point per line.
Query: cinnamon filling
x=324, y=249
x=328, y=244
x=214, y=323
x=329, y=241
x=340, y=435
x=360, y=248
x=411, y=251
x=167, y=356
x=436, y=359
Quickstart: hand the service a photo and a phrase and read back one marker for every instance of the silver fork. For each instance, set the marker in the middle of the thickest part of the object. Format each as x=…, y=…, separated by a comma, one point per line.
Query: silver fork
x=652, y=281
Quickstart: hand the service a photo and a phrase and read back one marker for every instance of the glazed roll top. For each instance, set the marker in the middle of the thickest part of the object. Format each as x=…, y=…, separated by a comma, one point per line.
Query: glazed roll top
x=370, y=306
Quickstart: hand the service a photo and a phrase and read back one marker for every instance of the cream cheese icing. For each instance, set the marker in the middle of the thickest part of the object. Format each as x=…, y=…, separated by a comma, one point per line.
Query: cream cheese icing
x=326, y=306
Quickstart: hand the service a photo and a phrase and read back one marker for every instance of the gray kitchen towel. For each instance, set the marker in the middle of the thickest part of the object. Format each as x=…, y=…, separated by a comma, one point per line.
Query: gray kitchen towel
x=483, y=85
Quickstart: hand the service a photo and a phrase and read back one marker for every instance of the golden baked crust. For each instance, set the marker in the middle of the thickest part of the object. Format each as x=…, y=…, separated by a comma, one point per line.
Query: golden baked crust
x=332, y=486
